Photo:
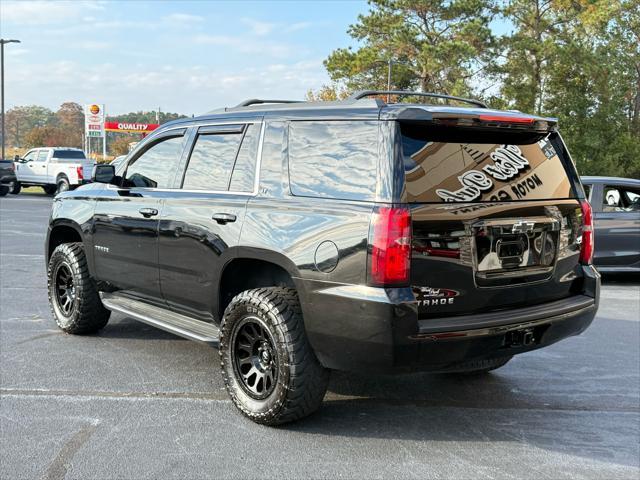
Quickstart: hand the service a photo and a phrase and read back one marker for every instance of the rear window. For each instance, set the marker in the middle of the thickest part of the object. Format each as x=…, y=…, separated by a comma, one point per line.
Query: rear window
x=457, y=171
x=333, y=159
x=68, y=154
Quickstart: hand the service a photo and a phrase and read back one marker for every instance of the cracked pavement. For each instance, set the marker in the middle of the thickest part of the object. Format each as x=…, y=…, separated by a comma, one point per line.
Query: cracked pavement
x=136, y=402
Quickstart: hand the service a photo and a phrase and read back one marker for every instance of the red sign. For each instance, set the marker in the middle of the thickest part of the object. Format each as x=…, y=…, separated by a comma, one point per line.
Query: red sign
x=130, y=127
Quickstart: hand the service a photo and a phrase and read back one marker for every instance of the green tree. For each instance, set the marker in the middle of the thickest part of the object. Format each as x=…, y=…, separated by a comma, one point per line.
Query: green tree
x=327, y=93
x=70, y=119
x=120, y=144
x=440, y=46
x=46, y=136
x=20, y=120
x=146, y=117
x=579, y=61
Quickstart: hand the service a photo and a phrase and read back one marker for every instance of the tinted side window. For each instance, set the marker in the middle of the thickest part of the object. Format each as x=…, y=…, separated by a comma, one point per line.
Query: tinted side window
x=621, y=199
x=211, y=161
x=156, y=167
x=244, y=171
x=31, y=155
x=333, y=159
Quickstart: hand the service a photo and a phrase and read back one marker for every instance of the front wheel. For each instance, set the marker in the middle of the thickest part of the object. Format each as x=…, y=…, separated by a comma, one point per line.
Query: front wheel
x=269, y=369
x=4, y=189
x=15, y=188
x=73, y=296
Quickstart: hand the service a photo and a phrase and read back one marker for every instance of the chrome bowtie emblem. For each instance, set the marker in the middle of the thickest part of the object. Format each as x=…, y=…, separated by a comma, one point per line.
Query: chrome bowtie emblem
x=522, y=227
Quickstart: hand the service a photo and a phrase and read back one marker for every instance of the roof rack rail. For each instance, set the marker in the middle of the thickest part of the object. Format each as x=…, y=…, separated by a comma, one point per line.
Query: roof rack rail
x=258, y=101
x=405, y=93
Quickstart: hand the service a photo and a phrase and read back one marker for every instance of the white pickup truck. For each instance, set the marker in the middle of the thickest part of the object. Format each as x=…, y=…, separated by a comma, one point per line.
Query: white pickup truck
x=54, y=169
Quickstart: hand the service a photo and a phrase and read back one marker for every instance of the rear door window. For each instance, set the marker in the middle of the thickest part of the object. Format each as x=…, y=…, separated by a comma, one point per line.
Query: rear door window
x=244, y=170
x=333, y=159
x=458, y=171
x=212, y=158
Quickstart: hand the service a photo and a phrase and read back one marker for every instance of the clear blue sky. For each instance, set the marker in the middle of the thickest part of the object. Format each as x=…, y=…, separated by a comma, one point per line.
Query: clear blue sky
x=187, y=57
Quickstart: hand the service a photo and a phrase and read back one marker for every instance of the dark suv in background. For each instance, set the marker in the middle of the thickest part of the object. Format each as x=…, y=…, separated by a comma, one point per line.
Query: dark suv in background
x=356, y=235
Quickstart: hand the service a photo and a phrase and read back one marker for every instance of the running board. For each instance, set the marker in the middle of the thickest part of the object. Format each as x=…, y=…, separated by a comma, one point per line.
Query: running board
x=162, y=318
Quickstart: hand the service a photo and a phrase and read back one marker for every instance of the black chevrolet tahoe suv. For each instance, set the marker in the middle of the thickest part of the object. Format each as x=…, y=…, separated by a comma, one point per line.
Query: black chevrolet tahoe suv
x=358, y=235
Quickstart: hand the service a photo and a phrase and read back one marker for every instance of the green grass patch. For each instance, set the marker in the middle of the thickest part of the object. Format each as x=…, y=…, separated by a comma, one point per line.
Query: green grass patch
x=32, y=190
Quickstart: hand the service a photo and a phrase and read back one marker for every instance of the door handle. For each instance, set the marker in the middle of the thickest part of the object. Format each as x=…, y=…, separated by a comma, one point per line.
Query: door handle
x=224, y=218
x=148, y=212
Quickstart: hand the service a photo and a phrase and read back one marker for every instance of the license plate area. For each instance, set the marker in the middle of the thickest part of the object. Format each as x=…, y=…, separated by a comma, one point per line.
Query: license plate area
x=513, y=251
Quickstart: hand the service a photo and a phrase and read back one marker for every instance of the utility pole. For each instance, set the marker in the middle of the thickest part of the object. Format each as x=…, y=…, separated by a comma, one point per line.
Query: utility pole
x=2, y=42
x=104, y=134
x=389, y=81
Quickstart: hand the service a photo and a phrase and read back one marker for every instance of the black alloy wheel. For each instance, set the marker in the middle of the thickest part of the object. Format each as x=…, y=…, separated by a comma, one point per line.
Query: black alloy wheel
x=254, y=357
x=65, y=292
x=73, y=296
x=268, y=366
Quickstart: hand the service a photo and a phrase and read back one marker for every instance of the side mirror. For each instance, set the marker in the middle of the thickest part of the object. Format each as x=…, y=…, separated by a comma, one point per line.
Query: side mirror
x=103, y=173
x=16, y=158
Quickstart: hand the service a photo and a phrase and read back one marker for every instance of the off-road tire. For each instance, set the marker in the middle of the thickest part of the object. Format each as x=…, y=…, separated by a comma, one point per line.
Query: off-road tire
x=15, y=188
x=50, y=189
x=87, y=314
x=301, y=380
x=480, y=367
x=62, y=184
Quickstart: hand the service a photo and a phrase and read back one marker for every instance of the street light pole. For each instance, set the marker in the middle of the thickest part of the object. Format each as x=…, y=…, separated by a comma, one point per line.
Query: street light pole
x=389, y=81
x=2, y=42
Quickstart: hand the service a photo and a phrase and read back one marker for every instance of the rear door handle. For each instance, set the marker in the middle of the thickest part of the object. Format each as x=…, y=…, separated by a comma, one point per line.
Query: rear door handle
x=224, y=218
x=148, y=212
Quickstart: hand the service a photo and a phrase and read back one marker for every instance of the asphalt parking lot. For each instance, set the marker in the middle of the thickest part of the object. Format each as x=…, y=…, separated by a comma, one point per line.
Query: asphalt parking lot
x=135, y=402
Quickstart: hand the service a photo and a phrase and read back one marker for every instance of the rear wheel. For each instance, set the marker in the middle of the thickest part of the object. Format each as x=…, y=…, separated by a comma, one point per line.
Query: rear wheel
x=50, y=189
x=15, y=188
x=269, y=368
x=73, y=297
x=62, y=185
x=4, y=189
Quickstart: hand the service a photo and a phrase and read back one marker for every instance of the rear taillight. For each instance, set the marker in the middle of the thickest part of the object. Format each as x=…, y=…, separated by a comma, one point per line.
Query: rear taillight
x=586, y=248
x=79, y=172
x=390, y=246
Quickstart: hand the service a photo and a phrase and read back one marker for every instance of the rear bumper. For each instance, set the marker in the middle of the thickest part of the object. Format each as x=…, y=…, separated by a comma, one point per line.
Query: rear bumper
x=377, y=330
